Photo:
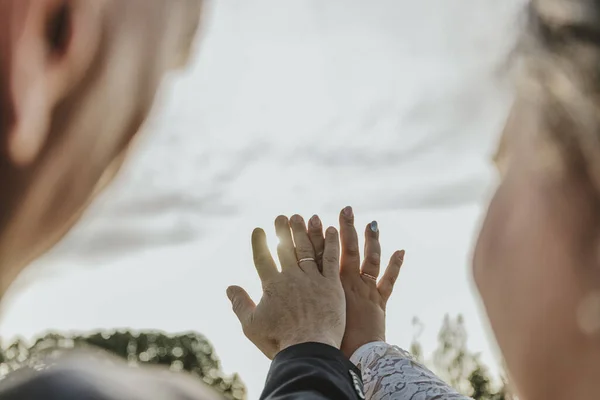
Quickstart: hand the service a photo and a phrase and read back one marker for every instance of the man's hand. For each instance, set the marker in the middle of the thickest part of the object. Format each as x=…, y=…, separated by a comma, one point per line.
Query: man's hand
x=301, y=303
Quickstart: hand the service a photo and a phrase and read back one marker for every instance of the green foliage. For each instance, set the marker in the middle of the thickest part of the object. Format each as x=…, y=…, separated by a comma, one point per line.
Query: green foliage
x=189, y=352
x=455, y=364
x=452, y=359
x=415, y=348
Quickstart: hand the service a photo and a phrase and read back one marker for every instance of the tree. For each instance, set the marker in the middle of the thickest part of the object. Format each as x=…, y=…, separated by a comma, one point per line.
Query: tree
x=189, y=352
x=455, y=364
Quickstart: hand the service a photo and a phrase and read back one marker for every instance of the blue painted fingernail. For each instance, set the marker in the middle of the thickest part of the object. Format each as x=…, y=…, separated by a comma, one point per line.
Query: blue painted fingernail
x=374, y=226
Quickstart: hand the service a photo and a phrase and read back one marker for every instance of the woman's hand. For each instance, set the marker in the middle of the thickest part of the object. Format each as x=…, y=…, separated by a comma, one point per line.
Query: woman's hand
x=366, y=298
x=302, y=303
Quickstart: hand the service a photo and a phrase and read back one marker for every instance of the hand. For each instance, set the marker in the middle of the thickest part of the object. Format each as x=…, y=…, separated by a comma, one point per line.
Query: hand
x=301, y=303
x=366, y=298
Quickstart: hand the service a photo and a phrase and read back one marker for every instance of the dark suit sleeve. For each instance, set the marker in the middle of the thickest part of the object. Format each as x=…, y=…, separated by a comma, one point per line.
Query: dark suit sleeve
x=312, y=371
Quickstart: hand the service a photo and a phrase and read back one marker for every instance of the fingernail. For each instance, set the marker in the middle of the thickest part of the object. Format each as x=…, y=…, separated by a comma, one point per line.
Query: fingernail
x=401, y=255
x=331, y=231
x=315, y=221
x=296, y=218
x=374, y=227
x=348, y=212
x=281, y=220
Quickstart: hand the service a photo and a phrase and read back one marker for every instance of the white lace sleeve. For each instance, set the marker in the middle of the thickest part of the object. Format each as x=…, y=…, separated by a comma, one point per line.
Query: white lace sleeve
x=390, y=373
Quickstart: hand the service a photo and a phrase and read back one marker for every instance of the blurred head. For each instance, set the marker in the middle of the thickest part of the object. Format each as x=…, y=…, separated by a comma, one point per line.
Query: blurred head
x=537, y=260
x=77, y=80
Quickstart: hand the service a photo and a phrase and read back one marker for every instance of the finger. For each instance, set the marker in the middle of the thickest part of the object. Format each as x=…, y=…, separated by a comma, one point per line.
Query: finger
x=350, y=261
x=372, y=259
x=285, y=249
x=331, y=253
x=242, y=304
x=263, y=261
x=304, y=248
x=315, y=234
x=387, y=281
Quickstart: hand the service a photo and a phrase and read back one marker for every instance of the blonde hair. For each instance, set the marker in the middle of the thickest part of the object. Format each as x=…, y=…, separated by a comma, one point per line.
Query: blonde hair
x=559, y=72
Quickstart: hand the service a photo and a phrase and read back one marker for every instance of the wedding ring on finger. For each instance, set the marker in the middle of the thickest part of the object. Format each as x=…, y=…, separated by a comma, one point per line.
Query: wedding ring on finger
x=300, y=261
x=371, y=277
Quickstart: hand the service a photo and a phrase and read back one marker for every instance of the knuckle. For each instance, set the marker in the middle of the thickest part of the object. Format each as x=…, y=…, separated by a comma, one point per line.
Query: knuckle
x=269, y=291
x=314, y=230
x=304, y=249
x=352, y=251
x=261, y=259
x=261, y=262
x=331, y=244
x=392, y=279
x=329, y=258
x=247, y=330
x=374, y=259
x=236, y=304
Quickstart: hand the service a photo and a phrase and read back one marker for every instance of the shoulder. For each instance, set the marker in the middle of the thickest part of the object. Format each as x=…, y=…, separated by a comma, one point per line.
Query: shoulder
x=84, y=378
x=60, y=382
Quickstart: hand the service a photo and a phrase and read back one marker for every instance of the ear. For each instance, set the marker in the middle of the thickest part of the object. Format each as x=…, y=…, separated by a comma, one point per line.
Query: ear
x=47, y=46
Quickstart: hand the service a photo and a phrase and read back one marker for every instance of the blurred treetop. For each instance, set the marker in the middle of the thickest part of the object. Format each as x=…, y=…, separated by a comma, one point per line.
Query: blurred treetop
x=189, y=352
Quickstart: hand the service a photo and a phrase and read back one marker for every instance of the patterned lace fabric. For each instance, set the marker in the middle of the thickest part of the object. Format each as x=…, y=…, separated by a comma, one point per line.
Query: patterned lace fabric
x=390, y=373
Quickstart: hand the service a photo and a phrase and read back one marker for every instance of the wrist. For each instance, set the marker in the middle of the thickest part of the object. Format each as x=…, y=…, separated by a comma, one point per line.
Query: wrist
x=284, y=344
x=349, y=346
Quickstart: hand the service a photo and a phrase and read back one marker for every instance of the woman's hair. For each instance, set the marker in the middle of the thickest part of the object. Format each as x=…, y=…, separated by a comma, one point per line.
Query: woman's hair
x=559, y=75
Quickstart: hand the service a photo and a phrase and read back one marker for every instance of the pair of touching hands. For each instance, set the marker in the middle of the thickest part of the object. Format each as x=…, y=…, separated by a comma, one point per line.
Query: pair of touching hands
x=322, y=294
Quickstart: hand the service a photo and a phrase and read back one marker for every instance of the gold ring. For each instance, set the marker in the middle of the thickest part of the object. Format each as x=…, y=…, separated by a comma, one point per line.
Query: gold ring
x=371, y=277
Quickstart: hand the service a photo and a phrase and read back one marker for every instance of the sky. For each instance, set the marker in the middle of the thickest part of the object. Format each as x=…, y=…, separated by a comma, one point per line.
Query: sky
x=303, y=106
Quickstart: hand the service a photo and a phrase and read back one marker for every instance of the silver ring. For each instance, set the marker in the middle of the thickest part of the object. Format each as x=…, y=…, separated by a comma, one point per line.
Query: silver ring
x=306, y=259
x=371, y=277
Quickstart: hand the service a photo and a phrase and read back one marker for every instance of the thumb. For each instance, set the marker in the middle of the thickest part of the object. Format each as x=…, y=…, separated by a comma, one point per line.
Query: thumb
x=242, y=304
